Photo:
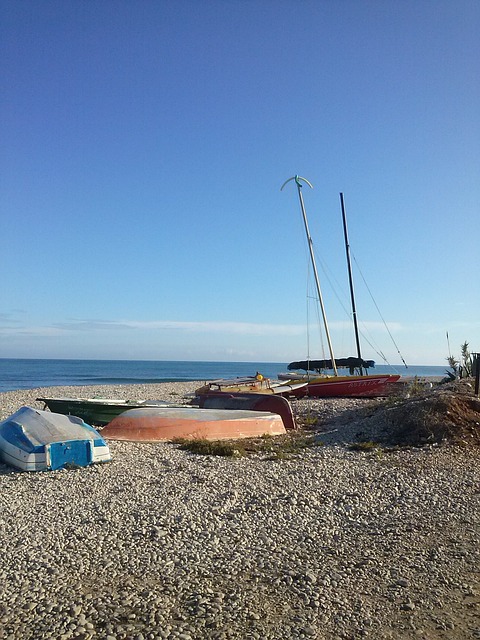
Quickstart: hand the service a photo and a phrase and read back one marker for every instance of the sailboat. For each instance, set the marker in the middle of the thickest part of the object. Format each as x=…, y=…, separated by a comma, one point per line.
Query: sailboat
x=353, y=386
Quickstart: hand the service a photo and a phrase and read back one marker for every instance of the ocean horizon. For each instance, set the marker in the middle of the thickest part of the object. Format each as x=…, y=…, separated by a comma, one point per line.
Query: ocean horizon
x=31, y=373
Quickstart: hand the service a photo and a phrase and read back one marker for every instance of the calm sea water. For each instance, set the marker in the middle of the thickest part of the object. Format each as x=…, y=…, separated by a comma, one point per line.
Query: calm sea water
x=29, y=374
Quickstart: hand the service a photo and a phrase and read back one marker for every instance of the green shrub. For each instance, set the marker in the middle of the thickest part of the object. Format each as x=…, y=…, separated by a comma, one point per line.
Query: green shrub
x=211, y=447
x=275, y=447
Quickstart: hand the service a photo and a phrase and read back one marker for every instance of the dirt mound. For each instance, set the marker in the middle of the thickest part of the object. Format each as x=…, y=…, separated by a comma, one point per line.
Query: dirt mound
x=447, y=413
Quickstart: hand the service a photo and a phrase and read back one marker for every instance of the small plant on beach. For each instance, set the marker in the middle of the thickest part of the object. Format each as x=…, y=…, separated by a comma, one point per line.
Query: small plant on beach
x=462, y=368
x=467, y=362
x=415, y=388
x=453, y=364
x=274, y=447
x=211, y=447
x=308, y=421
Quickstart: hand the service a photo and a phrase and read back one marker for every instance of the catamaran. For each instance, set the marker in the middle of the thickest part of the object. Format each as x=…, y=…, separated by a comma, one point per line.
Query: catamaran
x=318, y=385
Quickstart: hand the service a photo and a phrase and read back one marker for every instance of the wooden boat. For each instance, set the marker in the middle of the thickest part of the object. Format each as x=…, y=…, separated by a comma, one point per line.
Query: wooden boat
x=97, y=411
x=361, y=385
x=253, y=384
x=34, y=440
x=251, y=402
x=159, y=424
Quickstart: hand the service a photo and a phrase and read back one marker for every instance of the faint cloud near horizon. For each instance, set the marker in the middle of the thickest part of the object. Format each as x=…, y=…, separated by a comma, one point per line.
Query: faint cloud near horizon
x=244, y=328
x=12, y=326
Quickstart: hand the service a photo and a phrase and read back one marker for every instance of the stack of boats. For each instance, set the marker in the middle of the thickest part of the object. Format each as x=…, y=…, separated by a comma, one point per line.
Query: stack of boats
x=39, y=440
x=228, y=415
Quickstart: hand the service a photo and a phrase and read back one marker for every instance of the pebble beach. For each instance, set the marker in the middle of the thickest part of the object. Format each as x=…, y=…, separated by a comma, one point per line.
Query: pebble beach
x=162, y=543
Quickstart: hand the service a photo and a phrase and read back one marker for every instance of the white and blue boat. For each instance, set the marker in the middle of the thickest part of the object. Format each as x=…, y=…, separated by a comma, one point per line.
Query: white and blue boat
x=34, y=440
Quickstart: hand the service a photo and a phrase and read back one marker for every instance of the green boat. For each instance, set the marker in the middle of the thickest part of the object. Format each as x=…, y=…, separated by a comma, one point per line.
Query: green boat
x=98, y=411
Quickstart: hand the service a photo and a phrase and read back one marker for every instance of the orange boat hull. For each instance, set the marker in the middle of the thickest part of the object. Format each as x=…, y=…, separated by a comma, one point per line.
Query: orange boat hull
x=157, y=425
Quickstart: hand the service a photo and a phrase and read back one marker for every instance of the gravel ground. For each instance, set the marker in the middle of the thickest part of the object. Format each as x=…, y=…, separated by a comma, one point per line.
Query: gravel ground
x=161, y=543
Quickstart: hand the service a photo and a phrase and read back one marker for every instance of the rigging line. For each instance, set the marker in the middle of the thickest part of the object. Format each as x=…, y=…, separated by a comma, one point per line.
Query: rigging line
x=348, y=313
x=334, y=284
x=308, y=315
x=312, y=297
x=320, y=333
x=377, y=351
x=363, y=331
x=309, y=296
x=334, y=290
x=379, y=313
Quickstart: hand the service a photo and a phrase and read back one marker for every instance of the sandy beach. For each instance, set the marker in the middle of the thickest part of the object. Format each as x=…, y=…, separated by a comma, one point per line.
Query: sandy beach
x=161, y=543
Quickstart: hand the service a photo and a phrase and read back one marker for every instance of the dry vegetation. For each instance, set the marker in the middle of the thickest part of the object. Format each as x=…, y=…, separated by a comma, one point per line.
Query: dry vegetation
x=447, y=413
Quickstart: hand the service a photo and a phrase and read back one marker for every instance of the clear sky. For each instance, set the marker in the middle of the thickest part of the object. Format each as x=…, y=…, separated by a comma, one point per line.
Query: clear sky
x=143, y=147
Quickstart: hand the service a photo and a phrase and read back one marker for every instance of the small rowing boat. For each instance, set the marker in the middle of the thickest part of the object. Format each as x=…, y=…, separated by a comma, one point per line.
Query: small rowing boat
x=97, y=411
x=34, y=440
x=154, y=424
x=251, y=402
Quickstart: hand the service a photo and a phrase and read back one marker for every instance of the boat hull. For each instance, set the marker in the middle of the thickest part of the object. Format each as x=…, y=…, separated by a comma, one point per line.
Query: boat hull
x=251, y=402
x=33, y=440
x=157, y=425
x=349, y=387
x=97, y=411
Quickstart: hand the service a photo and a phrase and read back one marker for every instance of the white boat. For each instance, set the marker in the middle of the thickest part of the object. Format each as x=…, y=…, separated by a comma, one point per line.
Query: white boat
x=34, y=440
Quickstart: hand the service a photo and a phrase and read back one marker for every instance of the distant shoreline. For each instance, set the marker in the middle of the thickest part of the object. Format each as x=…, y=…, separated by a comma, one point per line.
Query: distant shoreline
x=28, y=374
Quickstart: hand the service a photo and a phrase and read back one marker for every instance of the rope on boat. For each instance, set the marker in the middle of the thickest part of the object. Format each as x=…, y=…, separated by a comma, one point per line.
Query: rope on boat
x=334, y=284
x=380, y=314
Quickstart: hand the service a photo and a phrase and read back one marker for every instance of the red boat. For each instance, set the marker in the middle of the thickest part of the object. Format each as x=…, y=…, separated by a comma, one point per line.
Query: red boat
x=318, y=384
x=369, y=386
x=251, y=402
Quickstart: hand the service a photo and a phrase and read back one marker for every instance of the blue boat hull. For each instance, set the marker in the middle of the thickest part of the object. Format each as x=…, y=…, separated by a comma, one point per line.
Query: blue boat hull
x=33, y=440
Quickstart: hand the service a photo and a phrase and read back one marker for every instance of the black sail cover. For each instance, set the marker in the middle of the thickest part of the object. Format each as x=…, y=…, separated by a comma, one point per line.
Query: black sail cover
x=319, y=365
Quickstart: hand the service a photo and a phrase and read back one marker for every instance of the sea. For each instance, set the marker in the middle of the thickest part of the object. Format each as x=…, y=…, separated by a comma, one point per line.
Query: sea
x=33, y=373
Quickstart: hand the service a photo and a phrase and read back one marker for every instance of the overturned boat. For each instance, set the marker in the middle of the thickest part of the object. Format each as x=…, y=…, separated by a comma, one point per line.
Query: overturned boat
x=97, y=411
x=251, y=402
x=155, y=424
x=35, y=440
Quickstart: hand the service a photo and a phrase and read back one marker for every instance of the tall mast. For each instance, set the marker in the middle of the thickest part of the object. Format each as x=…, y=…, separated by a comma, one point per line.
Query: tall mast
x=314, y=266
x=350, y=278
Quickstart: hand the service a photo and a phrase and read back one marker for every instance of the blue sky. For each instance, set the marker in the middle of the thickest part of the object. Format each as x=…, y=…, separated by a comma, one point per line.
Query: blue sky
x=144, y=145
